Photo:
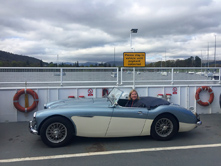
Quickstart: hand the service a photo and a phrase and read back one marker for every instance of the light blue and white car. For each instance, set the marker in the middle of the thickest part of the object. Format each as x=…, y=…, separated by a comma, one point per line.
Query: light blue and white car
x=108, y=117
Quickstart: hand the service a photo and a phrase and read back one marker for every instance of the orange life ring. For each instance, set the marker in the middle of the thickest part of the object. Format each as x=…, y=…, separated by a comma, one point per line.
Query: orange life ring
x=199, y=101
x=25, y=91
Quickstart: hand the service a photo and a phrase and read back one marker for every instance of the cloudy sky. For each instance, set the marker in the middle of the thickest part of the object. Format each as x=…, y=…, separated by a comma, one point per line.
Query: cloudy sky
x=99, y=30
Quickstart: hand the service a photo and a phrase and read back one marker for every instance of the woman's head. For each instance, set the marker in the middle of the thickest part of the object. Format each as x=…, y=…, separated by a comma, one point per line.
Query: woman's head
x=133, y=95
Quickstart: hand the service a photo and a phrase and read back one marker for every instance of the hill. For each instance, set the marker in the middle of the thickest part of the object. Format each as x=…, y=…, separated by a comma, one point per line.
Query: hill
x=13, y=60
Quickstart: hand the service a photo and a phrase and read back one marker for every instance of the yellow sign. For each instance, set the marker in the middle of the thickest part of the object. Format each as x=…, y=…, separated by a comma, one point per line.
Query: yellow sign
x=134, y=59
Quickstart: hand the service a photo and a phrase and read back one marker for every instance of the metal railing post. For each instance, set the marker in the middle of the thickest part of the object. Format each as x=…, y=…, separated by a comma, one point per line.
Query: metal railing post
x=172, y=76
x=219, y=75
x=121, y=76
x=117, y=76
x=61, y=76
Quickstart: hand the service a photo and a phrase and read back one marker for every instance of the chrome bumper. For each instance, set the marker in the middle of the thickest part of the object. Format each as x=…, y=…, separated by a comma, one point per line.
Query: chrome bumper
x=32, y=129
x=199, y=123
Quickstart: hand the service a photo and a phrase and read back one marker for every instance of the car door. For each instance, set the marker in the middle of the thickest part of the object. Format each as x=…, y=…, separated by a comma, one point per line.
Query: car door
x=127, y=121
x=92, y=123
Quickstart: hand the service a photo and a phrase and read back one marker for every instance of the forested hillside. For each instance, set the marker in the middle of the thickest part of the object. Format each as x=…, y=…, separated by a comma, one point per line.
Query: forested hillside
x=13, y=60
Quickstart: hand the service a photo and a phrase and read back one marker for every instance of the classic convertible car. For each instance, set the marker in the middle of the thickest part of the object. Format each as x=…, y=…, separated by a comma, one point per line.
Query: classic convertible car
x=108, y=117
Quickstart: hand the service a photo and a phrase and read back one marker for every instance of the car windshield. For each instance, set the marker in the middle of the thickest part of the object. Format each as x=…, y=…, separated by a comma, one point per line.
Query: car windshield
x=114, y=95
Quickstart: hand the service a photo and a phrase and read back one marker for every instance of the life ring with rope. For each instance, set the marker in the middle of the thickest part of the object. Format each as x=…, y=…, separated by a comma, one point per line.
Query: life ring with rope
x=25, y=91
x=197, y=95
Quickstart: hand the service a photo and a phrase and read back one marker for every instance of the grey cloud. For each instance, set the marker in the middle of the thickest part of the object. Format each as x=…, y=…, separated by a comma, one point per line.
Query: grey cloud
x=84, y=30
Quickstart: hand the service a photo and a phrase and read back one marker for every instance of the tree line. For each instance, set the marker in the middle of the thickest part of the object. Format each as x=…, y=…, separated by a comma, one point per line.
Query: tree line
x=189, y=62
x=51, y=64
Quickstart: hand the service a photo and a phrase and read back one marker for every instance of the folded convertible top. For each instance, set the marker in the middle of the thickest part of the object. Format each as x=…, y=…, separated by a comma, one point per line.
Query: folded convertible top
x=152, y=102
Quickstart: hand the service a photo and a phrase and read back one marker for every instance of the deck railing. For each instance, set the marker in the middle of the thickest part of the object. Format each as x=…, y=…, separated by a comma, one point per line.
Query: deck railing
x=106, y=76
x=53, y=76
x=165, y=75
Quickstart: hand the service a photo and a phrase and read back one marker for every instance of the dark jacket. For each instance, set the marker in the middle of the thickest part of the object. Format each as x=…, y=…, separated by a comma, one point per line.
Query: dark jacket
x=132, y=103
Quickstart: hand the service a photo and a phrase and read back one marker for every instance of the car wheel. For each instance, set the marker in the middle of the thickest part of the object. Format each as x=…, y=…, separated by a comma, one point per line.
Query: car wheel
x=56, y=132
x=164, y=127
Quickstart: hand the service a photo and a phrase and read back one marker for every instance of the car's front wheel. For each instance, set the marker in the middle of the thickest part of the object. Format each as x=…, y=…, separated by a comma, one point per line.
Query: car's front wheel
x=164, y=127
x=56, y=131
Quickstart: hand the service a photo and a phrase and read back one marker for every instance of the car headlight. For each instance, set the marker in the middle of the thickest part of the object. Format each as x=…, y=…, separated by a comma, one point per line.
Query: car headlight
x=192, y=110
x=46, y=106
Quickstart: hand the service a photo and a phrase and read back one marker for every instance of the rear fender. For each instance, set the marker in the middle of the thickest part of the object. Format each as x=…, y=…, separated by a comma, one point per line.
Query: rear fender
x=181, y=114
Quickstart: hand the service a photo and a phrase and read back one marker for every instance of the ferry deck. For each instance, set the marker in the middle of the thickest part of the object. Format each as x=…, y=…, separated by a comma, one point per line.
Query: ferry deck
x=183, y=86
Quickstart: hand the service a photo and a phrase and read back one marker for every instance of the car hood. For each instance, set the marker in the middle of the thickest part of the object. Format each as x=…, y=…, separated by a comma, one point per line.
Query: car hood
x=71, y=103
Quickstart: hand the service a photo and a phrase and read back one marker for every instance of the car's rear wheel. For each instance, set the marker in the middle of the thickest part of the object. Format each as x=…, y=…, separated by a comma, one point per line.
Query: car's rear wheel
x=56, y=132
x=164, y=127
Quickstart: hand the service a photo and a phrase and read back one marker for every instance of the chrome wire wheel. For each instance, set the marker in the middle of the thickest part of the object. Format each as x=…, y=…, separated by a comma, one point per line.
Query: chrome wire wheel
x=56, y=132
x=164, y=127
